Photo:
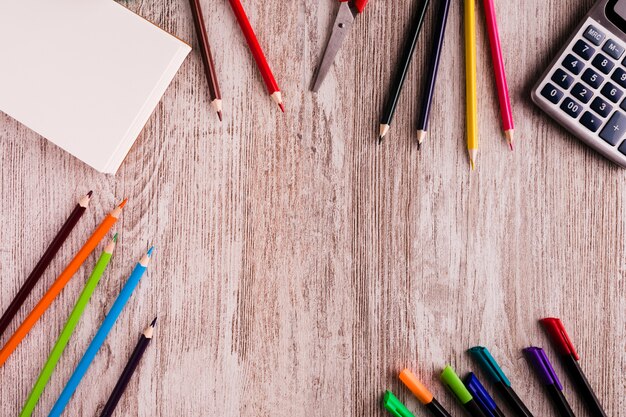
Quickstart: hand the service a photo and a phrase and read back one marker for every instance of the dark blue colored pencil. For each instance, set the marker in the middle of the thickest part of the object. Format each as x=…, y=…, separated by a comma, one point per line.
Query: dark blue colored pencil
x=433, y=69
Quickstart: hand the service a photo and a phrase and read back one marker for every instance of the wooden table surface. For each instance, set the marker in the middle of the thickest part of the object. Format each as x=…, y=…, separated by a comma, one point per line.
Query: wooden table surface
x=300, y=266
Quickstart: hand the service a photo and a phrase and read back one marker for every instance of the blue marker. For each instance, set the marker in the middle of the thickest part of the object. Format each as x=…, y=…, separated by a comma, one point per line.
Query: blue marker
x=102, y=334
x=482, y=397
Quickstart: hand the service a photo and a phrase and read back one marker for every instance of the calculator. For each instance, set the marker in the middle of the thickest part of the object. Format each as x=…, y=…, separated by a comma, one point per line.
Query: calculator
x=584, y=88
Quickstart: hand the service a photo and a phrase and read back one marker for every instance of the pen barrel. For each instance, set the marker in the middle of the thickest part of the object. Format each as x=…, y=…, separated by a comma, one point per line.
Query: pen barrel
x=559, y=401
x=473, y=409
x=205, y=50
x=583, y=386
x=437, y=409
x=124, y=379
x=41, y=266
x=403, y=67
x=513, y=400
x=433, y=68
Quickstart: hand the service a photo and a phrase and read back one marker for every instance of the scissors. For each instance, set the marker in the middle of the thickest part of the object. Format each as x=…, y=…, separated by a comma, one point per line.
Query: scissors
x=347, y=13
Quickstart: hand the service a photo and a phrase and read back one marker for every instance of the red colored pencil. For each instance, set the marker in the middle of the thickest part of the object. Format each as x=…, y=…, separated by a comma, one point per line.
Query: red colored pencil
x=500, y=75
x=257, y=52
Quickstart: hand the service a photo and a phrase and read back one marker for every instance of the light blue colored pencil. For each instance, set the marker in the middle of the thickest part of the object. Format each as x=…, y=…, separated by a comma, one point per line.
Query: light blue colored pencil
x=102, y=334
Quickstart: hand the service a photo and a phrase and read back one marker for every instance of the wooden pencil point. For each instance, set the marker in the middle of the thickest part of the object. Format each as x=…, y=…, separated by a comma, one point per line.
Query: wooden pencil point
x=89, y=194
x=383, y=130
x=510, y=137
x=421, y=135
x=219, y=115
x=153, y=322
x=123, y=203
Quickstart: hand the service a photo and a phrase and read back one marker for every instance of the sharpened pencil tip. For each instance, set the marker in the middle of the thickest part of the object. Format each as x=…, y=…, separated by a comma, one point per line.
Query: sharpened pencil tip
x=149, y=253
x=380, y=139
x=89, y=194
x=123, y=203
x=153, y=322
x=282, y=107
x=472, y=165
x=219, y=115
x=511, y=146
x=115, y=238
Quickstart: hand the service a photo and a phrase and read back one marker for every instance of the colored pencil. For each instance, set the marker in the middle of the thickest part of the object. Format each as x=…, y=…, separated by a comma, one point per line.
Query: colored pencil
x=129, y=369
x=60, y=282
x=68, y=329
x=433, y=69
x=498, y=66
x=257, y=53
x=401, y=72
x=207, y=57
x=101, y=335
x=471, y=92
x=43, y=263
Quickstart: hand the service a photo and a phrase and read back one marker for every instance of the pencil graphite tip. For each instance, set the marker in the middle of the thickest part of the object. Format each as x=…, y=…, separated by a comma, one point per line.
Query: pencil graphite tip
x=511, y=146
x=149, y=253
x=380, y=139
x=219, y=115
x=153, y=322
x=123, y=203
x=115, y=238
x=472, y=164
x=282, y=107
x=421, y=135
x=90, y=193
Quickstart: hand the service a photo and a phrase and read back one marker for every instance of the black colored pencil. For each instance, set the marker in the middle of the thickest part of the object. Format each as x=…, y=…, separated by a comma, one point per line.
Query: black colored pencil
x=433, y=69
x=401, y=72
x=43, y=263
x=128, y=371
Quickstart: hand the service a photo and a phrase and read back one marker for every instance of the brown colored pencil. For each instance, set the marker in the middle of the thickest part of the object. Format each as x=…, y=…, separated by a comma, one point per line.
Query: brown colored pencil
x=207, y=57
x=43, y=263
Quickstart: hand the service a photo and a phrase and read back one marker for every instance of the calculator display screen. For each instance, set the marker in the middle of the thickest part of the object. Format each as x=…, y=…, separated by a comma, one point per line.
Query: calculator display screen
x=616, y=12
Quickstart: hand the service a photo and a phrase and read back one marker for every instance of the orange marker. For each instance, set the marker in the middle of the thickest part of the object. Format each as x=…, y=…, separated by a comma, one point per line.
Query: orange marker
x=60, y=282
x=423, y=395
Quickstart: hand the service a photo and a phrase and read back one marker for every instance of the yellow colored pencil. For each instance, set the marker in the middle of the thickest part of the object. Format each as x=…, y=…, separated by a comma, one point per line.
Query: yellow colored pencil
x=470, y=81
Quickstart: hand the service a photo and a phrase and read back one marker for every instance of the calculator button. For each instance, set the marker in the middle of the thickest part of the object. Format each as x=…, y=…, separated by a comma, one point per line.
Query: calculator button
x=622, y=148
x=551, y=93
x=572, y=108
x=612, y=92
x=562, y=79
x=583, y=50
x=601, y=107
x=592, y=78
x=613, y=49
x=591, y=122
x=614, y=129
x=594, y=35
x=619, y=76
x=573, y=64
x=603, y=63
x=582, y=93
x=623, y=105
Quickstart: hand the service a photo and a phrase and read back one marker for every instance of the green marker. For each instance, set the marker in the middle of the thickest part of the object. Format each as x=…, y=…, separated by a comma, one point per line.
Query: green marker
x=454, y=383
x=394, y=406
x=67, y=331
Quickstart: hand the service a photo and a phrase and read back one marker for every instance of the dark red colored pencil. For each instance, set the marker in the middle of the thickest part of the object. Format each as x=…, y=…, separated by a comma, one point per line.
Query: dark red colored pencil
x=207, y=57
x=257, y=52
x=43, y=263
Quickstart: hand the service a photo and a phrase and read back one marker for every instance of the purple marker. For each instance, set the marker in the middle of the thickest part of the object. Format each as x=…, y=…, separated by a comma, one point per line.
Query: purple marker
x=543, y=368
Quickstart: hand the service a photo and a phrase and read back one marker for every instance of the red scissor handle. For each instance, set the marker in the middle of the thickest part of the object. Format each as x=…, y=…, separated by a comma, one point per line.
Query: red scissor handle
x=359, y=5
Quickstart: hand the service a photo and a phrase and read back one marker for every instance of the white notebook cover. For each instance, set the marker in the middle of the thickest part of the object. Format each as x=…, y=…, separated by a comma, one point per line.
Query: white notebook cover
x=85, y=74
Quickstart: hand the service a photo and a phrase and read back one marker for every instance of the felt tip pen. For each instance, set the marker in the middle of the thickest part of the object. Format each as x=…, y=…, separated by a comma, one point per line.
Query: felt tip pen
x=543, y=368
x=501, y=382
x=394, y=406
x=569, y=358
x=482, y=397
x=423, y=395
x=454, y=384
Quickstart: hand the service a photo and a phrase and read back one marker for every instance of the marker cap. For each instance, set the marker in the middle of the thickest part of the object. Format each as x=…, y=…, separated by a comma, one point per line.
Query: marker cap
x=561, y=341
x=543, y=367
x=489, y=365
x=417, y=388
x=480, y=394
x=454, y=383
x=394, y=406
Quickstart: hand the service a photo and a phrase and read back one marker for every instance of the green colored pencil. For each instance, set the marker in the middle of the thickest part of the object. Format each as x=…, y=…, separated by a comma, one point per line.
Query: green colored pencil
x=67, y=331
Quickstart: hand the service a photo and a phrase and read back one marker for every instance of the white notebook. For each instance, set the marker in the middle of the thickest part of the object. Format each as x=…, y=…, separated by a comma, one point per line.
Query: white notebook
x=84, y=74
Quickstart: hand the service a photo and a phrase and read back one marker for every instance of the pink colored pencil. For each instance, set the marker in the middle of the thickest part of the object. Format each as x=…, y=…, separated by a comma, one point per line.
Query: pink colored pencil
x=498, y=66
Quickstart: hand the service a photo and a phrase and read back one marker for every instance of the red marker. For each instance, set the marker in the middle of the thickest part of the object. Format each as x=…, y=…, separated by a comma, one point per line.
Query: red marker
x=569, y=357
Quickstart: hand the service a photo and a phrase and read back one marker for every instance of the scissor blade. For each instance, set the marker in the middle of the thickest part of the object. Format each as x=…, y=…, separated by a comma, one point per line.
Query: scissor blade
x=343, y=23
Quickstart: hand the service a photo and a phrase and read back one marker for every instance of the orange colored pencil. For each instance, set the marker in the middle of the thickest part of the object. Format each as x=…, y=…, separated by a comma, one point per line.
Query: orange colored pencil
x=60, y=282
